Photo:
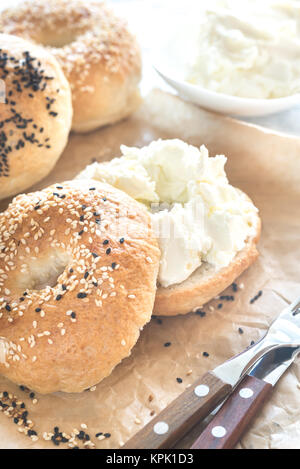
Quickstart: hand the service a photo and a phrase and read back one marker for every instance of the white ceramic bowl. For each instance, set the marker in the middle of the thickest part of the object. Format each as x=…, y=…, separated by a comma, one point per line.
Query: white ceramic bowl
x=226, y=104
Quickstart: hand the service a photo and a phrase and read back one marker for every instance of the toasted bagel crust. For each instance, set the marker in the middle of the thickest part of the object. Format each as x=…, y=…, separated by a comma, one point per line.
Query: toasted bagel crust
x=36, y=117
x=99, y=56
x=78, y=269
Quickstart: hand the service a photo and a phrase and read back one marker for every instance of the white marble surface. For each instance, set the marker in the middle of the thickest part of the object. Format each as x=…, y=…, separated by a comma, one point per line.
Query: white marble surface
x=151, y=20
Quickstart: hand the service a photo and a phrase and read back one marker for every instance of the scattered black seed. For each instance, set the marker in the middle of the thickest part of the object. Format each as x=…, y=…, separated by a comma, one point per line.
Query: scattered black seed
x=81, y=295
x=258, y=295
x=81, y=232
x=38, y=310
x=94, y=254
x=55, y=441
x=234, y=287
x=113, y=265
x=179, y=380
x=167, y=344
x=220, y=305
x=107, y=435
x=205, y=354
x=108, y=251
x=59, y=297
x=31, y=395
x=27, y=77
x=86, y=275
x=8, y=308
x=241, y=330
x=200, y=313
x=106, y=241
x=92, y=188
x=252, y=342
x=98, y=434
x=73, y=315
x=227, y=297
x=122, y=240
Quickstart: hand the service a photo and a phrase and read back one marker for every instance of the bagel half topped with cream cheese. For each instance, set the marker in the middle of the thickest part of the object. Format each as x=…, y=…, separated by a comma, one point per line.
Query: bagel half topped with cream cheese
x=206, y=228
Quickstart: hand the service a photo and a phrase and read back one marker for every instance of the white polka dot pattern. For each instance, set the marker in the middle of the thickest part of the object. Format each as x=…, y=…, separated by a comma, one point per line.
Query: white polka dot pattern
x=201, y=390
x=160, y=428
x=246, y=393
x=218, y=432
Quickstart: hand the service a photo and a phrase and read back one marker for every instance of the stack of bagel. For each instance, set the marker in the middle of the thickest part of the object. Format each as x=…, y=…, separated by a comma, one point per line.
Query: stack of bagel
x=66, y=65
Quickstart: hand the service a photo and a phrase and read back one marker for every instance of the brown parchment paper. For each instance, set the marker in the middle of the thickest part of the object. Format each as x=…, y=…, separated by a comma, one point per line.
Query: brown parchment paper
x=264, y=164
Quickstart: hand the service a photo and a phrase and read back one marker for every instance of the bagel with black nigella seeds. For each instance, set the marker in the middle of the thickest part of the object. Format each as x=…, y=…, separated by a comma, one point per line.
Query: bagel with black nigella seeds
x=99, y=56
x=78, y=269
x=35, y=118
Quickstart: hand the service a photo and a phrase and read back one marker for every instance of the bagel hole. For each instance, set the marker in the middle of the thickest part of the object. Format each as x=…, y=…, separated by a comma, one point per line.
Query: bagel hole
x=52, y=39
x=45, y=271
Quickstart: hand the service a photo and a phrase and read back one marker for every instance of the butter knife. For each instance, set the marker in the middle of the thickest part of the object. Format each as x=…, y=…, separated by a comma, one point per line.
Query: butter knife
x=208, y=392
x=228, y=425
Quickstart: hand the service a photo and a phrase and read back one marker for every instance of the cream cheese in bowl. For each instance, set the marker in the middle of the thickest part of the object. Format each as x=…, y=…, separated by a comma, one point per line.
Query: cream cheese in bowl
x=249, y=49
x=197, y=215
x=236, y=57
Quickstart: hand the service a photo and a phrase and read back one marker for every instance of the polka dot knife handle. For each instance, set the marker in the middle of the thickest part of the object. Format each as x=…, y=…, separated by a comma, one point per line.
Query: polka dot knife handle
x=228, y=425
x=182, y=414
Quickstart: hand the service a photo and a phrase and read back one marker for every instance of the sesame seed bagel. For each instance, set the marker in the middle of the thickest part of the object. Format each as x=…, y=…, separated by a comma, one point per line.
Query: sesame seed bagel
x=35, y=116
x=99, y=56
x=78, y=269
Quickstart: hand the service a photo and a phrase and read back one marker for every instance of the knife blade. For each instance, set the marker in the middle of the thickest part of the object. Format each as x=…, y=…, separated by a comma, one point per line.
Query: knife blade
x=198, y=401
x=226, y=428
x=284, y=331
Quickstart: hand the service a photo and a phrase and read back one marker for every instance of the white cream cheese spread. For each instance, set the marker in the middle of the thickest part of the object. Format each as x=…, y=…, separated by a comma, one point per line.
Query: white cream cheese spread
x=248, y=48
x=197, y=215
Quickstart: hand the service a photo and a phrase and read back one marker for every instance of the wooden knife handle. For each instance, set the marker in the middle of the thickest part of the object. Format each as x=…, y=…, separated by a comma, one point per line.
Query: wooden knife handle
x=226, y=428
x=193, y=405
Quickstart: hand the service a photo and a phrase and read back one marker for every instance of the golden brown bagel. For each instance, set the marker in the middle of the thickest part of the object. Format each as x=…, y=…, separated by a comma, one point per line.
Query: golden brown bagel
x=205, y=283
x=36, y=118
x=78, y=269
x=99, y=56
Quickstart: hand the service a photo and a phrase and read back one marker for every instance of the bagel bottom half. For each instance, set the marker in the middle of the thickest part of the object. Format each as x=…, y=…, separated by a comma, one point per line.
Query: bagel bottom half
x=206, y=282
